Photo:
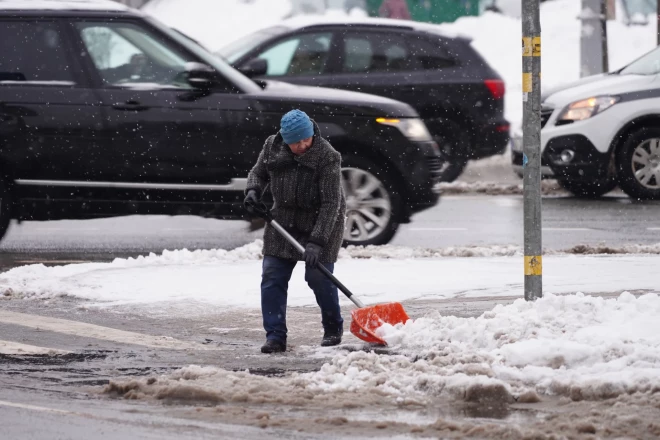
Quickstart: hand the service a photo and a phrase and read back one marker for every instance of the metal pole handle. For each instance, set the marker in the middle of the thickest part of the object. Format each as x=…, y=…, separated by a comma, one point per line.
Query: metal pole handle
x=320, y=267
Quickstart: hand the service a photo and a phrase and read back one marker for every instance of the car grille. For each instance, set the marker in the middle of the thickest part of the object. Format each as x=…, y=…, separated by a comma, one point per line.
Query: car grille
x=545, y=116
x=435, y=164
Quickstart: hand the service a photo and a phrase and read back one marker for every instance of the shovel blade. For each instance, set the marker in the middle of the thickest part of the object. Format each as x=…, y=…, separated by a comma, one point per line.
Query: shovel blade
x=367, y=320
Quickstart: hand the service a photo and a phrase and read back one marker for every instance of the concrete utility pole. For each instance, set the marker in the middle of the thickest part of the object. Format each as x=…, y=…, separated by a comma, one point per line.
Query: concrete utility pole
x=531, y=45
x=593, y=38
x=658, y=22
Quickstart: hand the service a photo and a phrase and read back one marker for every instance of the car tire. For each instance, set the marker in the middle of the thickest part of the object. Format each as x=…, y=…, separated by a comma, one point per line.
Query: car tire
x=373, y=203
x=588, y=190
x=5, y=208
x=638, y=164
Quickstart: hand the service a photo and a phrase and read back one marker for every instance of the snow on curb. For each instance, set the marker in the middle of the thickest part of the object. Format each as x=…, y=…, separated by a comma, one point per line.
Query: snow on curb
x=548, y=187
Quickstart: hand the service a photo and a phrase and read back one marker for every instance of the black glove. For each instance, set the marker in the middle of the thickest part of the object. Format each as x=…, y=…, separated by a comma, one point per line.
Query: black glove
x=251, y=199
x=311, y=255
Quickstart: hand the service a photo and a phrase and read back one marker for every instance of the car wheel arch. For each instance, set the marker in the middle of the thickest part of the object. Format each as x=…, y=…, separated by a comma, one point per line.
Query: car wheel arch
x=348, y=150
x=651, y=120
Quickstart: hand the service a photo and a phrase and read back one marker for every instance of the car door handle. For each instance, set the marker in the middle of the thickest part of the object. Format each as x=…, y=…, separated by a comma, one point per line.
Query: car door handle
x=133, y=106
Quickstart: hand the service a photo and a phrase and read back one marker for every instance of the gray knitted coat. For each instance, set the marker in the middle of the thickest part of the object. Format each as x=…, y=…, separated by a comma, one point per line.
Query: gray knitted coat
x=308, y=197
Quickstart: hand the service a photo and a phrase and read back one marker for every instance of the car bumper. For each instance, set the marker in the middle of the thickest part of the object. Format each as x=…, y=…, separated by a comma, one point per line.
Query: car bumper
x=491, y=140
x=565, y=155
x=423, y=176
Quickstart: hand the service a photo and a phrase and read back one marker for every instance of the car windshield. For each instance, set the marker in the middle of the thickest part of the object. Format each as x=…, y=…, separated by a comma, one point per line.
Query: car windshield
x=240, y=47
x=648, y=64
x=238, y=79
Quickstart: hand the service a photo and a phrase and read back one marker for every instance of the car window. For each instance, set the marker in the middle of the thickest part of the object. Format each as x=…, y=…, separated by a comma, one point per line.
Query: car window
x=648, y=64
x=375, y=52
x=235, y=50
x=300, y=55
x=430, y=55
x=33, y=52
x=124, y=53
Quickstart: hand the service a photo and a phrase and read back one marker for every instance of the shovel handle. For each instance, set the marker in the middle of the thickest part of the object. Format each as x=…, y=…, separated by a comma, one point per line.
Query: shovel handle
x=320, y=267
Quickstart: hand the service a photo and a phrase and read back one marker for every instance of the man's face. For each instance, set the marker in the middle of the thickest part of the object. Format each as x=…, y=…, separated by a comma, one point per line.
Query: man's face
x=302, y=146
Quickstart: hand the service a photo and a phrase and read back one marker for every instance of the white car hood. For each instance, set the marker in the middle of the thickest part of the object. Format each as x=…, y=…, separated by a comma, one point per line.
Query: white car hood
x=602, y=85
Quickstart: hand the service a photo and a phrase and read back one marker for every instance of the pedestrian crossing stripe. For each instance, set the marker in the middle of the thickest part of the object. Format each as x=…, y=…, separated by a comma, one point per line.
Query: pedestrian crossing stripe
x=86, y=330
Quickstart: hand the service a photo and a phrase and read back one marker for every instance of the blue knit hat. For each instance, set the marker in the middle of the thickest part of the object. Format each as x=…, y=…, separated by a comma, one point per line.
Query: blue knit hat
x=296, y=126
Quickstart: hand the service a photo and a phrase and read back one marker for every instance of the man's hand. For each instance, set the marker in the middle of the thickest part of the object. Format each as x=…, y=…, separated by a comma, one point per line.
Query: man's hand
x=311, y=255
x=250, y=201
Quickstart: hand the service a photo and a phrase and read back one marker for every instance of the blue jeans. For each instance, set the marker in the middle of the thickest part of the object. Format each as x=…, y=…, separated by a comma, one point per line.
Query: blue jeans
x=274, y=285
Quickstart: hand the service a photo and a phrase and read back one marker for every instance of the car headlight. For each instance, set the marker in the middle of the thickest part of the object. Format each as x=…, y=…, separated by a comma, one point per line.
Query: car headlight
x=586, y=108
x=413, y=129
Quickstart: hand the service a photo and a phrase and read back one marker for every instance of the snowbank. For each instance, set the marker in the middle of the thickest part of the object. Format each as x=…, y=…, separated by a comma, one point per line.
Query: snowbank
x=576, y=346
x=377, y=274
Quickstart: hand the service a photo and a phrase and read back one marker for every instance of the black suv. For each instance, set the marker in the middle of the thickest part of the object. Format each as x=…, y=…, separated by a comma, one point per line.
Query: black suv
x=459, y=96
x=106, y=112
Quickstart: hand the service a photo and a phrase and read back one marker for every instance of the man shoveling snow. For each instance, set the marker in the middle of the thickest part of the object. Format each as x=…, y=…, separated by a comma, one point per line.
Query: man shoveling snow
x=304, y=175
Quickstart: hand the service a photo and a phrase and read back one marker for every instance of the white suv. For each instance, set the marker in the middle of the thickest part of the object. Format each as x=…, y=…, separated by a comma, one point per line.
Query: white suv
x=602, y=131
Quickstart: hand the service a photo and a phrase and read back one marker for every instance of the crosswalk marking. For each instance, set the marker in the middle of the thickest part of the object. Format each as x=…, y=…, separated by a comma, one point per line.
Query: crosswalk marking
x=566, y=229
x=83, y=329
x=37, y=408
x=11, y=348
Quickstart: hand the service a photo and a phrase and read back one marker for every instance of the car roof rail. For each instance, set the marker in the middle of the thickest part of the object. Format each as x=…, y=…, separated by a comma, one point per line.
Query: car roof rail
x=361, y=25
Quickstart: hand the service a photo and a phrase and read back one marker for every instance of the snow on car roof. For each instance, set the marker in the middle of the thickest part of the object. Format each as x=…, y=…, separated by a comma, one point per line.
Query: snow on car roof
x=302, y=21
x=63, y=5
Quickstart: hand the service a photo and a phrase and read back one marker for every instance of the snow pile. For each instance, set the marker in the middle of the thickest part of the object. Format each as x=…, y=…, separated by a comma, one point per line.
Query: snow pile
x=250, y=251
x=580, y=347
x=548, y=187
x=405, y=252
x=585, y=249
x=235, y=282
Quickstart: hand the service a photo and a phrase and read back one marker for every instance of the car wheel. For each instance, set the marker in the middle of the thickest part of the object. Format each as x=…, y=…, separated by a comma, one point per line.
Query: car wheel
x=588, y=190
x=5, y=208
x=373, y=205
x=452, y=169
x=638, y=164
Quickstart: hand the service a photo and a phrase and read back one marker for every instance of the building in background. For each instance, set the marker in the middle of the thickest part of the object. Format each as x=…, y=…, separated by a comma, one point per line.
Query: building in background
x=430, y=11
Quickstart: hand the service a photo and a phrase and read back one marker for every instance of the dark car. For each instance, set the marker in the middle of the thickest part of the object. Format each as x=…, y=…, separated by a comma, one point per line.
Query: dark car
x=459, y=96
x=106, y=112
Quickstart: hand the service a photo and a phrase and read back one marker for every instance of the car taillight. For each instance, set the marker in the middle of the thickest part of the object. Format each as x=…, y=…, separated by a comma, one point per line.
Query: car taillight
x=496, y=87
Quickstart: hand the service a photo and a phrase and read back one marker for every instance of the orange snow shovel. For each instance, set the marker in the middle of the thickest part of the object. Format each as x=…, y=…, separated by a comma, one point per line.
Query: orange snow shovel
x=365, y=320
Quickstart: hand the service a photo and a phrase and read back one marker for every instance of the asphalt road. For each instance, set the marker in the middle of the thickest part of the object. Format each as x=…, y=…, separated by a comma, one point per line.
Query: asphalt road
x=46, y=396
x=462, y=220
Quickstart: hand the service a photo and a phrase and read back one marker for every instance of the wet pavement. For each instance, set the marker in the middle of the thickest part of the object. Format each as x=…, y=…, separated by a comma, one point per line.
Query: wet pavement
x=468, y=220
x=66, y=396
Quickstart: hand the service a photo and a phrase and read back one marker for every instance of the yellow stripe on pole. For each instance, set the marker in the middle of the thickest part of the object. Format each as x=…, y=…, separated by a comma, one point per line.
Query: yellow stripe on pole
x=527, y=46
x=531, y=46
x=527, y=82
x=536, y=47
x=533, y=265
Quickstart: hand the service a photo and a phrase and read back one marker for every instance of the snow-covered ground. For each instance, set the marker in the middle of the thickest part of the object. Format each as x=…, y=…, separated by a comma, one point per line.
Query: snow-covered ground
x=377, y=274
x=495, y=36
x=574, y=345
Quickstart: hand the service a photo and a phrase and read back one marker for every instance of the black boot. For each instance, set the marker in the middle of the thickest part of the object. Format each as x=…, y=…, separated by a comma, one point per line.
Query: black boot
x=273, y=346
x=330, y=339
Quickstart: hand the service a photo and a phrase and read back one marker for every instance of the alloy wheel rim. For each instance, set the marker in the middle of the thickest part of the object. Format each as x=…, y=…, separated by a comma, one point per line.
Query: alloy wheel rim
x=368, y=205
x=646, y=163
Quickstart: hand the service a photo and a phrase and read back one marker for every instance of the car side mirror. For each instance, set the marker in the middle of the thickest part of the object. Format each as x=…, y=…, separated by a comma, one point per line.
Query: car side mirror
x=255, y=67
x=201, y=76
